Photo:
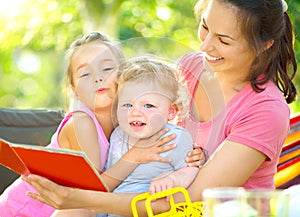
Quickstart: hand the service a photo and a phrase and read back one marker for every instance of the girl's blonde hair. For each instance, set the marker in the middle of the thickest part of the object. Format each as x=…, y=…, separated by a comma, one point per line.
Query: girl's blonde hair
x=93, y=37
x=152, y=70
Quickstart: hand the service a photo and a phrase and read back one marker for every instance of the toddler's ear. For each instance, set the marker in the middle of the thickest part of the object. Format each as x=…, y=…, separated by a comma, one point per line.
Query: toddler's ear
x=172, y=112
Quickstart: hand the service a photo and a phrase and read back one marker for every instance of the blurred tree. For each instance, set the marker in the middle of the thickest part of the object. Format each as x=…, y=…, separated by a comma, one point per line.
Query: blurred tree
x=102, y=15
x=35, y=33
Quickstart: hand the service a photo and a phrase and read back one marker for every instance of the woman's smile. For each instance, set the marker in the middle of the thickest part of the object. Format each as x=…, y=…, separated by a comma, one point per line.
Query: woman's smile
x=212, y=59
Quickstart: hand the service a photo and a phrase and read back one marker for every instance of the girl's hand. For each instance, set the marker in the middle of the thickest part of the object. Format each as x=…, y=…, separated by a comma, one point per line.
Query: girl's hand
x=148, y=150
x=197, y=157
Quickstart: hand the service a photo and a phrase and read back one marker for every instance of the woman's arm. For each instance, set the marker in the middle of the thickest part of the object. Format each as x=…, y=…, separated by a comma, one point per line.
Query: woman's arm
x=61, y=197
x=231, y=165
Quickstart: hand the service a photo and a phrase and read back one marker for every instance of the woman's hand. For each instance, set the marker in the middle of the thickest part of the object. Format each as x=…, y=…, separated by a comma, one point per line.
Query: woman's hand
x=49, y=192
x=196, y=158
x=61, y=197
x=148, y=150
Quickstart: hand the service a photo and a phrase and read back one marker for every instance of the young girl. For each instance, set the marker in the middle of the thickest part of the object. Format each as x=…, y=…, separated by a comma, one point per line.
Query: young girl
x=149, y=96
x=92, y=66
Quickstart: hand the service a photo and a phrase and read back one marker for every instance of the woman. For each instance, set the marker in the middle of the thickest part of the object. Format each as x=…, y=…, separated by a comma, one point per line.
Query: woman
x=240, y=107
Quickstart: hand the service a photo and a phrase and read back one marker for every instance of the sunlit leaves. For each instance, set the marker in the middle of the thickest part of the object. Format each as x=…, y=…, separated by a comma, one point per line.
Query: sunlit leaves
x=35, y=33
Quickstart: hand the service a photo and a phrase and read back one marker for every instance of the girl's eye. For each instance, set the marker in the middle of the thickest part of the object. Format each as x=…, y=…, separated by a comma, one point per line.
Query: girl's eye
x=108, y=69
x=148, y=106
x=85, y=74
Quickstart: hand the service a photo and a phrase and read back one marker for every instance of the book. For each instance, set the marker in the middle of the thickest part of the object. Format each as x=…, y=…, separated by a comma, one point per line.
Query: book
x=65, y=167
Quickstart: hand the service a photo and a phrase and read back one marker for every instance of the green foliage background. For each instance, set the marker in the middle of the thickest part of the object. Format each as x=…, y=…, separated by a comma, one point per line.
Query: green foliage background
x=35, y=33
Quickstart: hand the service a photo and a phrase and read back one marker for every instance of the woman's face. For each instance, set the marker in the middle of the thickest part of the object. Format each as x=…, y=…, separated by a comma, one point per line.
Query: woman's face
x=226, y=49
x=94, y=70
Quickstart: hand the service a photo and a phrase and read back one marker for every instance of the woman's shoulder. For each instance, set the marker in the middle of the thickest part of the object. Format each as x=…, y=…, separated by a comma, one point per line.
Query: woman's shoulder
x=190, y=68
x=266, y=108
x=191, y=59
x=270, y=96
x=194, y=55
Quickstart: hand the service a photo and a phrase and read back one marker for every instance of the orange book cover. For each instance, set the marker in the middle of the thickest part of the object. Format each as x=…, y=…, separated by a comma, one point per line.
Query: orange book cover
x=65, y=167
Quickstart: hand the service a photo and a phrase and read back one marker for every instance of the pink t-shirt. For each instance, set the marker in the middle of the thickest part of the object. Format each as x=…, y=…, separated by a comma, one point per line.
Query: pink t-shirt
x=258, y=120
x=14, y=202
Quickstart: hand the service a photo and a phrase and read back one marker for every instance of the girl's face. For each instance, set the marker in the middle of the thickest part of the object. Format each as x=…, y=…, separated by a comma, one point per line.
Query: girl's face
x=143, y=110
x=94, y=70
x=226, y=50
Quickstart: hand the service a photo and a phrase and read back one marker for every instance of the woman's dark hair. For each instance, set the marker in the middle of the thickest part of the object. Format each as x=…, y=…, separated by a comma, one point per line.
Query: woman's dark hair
x=263, y=21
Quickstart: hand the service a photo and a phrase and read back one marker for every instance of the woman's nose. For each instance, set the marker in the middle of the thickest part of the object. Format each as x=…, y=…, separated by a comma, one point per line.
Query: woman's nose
x=207, y=44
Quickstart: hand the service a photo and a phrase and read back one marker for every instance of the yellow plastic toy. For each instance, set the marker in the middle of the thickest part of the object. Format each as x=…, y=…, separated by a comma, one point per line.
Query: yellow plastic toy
x=183, y=209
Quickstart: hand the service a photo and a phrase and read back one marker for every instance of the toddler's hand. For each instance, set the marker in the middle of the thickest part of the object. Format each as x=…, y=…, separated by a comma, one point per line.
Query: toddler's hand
x=162, y=183
x=196, y=158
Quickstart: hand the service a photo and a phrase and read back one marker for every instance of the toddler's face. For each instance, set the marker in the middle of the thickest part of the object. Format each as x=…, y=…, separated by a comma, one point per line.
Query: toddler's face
x=94, y=73
x=142, y=108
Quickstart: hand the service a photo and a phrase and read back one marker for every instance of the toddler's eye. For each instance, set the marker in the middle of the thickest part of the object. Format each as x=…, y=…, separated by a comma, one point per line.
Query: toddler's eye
x=148, y=106
x=127, y=105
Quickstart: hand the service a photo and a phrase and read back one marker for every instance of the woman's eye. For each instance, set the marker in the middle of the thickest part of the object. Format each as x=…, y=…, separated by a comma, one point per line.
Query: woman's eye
x=148, y=106
x=223, y=42
x=204, y=27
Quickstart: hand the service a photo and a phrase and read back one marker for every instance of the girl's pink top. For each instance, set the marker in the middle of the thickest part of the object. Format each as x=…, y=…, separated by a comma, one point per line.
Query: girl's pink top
x=258, y=120
x=15, y=203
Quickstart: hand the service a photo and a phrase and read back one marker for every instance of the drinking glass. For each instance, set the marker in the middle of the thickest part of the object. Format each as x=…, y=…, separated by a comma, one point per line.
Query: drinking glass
x=268, y=203
x=224, y=202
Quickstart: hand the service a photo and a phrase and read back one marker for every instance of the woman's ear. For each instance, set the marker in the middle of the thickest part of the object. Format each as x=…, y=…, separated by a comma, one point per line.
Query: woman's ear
x=172, y=112
x=268, y=44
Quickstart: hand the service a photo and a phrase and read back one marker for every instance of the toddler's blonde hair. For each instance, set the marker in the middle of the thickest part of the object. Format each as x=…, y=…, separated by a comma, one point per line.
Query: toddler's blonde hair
x=151, y=70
